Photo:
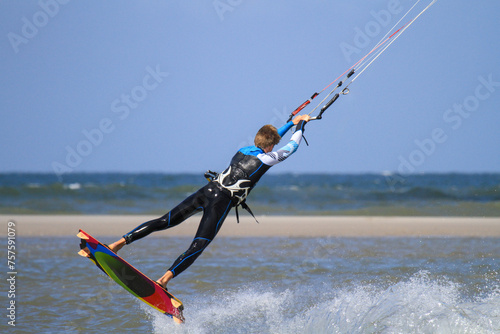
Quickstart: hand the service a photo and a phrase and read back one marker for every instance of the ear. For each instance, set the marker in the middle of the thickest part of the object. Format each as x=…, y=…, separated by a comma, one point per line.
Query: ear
x=268, y=149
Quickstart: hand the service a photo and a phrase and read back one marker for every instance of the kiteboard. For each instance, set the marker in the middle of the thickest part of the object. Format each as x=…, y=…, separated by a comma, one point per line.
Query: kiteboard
x=130, y=278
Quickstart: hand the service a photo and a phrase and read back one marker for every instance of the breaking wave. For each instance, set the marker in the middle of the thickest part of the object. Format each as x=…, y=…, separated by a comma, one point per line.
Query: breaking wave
x=421, y=304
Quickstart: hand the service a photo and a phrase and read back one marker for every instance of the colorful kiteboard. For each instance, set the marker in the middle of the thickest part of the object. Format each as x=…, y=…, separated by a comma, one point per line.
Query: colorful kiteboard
x=130, y=278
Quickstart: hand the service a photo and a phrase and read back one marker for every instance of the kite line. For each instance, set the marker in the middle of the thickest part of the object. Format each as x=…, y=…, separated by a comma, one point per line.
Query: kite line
x=360, y=66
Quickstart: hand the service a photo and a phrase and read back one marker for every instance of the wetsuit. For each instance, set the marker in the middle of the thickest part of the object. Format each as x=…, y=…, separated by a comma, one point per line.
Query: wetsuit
x=216, y=199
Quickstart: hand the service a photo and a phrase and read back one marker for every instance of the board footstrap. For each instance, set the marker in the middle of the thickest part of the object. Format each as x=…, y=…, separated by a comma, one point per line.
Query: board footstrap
x=129, y=277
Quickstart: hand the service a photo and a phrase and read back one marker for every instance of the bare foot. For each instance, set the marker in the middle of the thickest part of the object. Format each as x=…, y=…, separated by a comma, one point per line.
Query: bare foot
x=163, y=281
x=116, y=246
x=160, y=284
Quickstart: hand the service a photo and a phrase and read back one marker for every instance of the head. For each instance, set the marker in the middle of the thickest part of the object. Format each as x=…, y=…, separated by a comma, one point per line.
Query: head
x=267, y=137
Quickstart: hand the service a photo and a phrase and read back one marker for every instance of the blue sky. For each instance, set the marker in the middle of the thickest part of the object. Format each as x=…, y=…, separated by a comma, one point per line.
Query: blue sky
x=179, y=86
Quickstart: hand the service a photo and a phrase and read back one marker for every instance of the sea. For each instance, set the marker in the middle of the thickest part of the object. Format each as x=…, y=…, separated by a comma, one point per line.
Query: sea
x=276, y=194
x=261, y=284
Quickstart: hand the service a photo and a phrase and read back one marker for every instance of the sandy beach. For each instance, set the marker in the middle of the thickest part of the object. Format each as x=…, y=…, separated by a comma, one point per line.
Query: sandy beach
x=290, y=226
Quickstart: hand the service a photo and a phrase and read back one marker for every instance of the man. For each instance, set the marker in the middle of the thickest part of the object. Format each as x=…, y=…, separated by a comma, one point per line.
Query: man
x=227, y=190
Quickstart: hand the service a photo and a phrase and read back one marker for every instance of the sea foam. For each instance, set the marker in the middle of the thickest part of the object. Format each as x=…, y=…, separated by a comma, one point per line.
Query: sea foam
x=421, y=304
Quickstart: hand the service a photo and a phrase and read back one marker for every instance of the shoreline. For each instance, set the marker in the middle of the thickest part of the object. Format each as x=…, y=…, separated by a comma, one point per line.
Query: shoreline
x=269, y=226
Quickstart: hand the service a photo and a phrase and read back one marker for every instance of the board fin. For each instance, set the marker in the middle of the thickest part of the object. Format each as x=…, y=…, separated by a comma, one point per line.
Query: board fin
x=84, y=250
x=82, y=236
x=177, y=304
x=83, y=253
x=130, y=278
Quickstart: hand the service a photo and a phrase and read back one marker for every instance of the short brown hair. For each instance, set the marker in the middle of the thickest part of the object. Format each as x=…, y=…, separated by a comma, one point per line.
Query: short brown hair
x=267, y=136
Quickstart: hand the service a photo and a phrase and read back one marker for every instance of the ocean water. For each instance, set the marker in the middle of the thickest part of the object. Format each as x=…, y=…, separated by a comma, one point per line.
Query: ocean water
x=276, y=194
x=263, y=285
x=268, y=285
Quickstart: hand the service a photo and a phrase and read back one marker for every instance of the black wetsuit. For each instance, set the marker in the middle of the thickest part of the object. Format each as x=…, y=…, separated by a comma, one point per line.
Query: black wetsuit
x=218, y=197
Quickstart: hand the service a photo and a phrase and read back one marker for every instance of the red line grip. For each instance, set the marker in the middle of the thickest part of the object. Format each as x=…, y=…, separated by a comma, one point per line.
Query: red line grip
x=302, y=106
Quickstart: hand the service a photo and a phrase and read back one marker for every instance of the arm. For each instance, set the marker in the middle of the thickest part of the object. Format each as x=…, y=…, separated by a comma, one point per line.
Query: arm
x=284, y=129
x=272, y=158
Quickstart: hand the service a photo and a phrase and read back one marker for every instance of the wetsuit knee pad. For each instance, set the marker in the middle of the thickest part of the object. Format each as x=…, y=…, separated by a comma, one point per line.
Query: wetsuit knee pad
x=197, y=246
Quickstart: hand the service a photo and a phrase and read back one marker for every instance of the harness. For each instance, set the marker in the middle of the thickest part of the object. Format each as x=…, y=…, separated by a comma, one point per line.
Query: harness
x=212, y=176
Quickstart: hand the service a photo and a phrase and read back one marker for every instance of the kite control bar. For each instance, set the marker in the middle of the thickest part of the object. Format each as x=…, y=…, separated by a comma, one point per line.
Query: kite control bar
x=333, y=99
x=326, y=106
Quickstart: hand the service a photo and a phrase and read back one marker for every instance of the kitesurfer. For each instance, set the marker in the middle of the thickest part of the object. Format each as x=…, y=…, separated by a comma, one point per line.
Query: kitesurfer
x=227, y=190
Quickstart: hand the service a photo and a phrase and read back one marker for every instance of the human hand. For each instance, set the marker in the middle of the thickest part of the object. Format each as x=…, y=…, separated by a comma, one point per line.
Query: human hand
x=299, y=118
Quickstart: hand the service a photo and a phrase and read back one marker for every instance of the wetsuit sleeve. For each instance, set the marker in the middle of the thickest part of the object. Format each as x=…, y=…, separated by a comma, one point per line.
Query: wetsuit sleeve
x=272, y=158
x=284, y=129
